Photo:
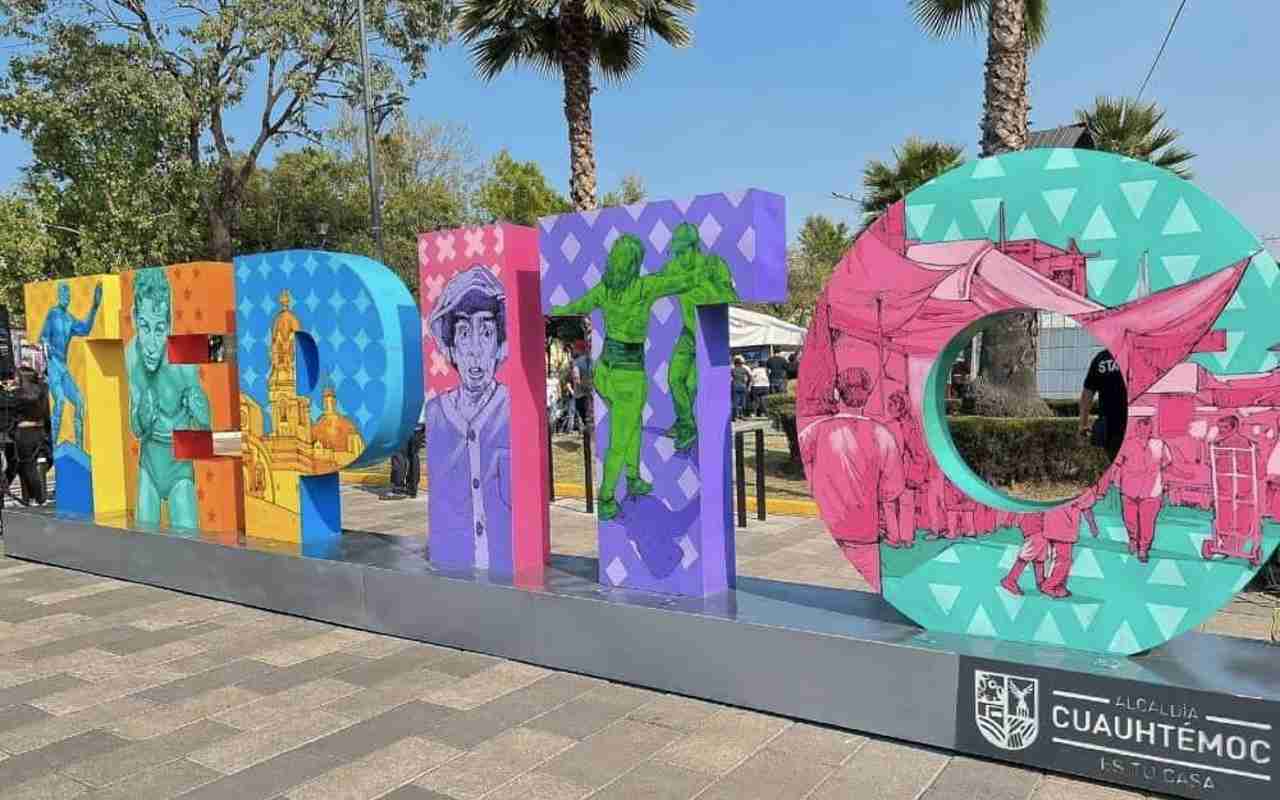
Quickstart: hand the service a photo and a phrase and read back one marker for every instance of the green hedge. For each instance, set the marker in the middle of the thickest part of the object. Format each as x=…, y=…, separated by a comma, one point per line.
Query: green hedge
x=1064, y=408
x=1004, y=451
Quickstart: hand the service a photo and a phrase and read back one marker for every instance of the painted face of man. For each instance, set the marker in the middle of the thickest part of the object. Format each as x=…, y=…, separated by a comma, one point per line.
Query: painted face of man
x=152, y=321
x=475, y=350
x=64, y=295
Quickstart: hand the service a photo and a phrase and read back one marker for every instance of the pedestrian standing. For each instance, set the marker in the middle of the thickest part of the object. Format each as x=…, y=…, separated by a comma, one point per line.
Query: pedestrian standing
x=583, y=383
x=777, y=367
x=759, y=388
x=741, y=386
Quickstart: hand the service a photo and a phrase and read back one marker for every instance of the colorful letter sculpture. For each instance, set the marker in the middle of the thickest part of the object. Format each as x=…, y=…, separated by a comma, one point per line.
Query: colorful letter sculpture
x=77, y=321
x=330, y=378
x=655, y=279
x=178, y=398
x=482, y=346
x=1183, y=297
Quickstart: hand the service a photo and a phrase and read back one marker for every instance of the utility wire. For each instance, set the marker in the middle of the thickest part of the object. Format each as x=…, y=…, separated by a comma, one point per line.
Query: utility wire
x=1160, y=52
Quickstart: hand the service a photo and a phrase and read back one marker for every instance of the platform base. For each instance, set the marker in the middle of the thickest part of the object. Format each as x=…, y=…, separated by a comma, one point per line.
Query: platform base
x=1196, y=718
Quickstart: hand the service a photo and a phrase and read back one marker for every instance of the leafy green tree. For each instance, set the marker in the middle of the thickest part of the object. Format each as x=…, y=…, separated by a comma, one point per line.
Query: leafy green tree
x=109, y=169
x=1014, y=28
x=304, y=56
x=26, y=248
x=517, y=192
x=820, y=245
x=915, y=163
x=1135, y=129
x=572, y=38
x=629, y=192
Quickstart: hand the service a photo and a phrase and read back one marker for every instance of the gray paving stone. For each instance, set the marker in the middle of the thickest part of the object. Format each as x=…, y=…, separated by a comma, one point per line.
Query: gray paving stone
x=113, y=602
x=159, y=783
x=96, y=639
x=463, y=665
x=145, y=640
x=40, y=687
x=285, y=678
x=17, y=612
x=654, y=781
x=411, y=659
x=771, y=773
x=1057, y=788
x=46, y=787
x=412, y=792
x=884, y=771
x=363, y=738
x=467, y=729
x=231, y=674
x=266, y=779
x=126, y=761
x=583, y=716
x=55, y=757
x=13, y=717
x=599, y=759
x=966, y=778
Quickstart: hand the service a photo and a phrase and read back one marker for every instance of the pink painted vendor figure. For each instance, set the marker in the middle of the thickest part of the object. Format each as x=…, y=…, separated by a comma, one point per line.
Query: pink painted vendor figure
x=1139, y=469
x=855, y=469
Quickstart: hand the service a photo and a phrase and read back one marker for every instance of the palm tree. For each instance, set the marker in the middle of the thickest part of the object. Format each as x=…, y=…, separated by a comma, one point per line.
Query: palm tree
x=1131, y=128
x=1014, y=29
x=571, y=38
x=914, y=164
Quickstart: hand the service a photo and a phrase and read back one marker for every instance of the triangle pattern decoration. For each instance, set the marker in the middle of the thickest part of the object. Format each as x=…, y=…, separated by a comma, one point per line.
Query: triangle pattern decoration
x=1099, y=275
x=1062, y=158
x=1099, y=226
x=1137, y=193
x=945, y=595
x=988, y=168
x=1024, y=229
x=1048, y=632
x=918, y=215
x=1181, y=220
x=986, y=208
x=1181, y=268
x=1124, y=641
x=1167, y=618
x=1059, y=202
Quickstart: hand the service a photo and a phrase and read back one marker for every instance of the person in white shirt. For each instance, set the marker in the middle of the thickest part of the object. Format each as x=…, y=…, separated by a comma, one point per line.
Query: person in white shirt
x=759, y=388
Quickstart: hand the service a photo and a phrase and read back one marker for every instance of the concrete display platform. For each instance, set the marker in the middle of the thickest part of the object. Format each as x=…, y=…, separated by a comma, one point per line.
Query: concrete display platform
x=826, y=655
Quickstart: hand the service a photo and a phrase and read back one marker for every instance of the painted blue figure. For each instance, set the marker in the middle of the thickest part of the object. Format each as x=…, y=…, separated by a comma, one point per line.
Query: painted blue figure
x=59, y=327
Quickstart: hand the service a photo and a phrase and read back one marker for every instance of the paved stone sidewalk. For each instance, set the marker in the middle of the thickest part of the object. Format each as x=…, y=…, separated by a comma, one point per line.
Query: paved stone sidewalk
x=113, y=690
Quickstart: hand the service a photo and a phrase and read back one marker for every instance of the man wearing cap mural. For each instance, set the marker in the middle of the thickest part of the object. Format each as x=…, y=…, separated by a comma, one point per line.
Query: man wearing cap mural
x=469, y=428
x=714, y=286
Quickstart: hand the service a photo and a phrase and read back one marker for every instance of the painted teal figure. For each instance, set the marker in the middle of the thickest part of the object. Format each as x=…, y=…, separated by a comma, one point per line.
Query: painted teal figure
x=163, y=397
x=625, y=297
x=59, y=328
x=714, y=286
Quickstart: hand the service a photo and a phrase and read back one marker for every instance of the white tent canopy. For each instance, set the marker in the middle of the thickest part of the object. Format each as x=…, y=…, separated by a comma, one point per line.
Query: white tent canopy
x=753, y=329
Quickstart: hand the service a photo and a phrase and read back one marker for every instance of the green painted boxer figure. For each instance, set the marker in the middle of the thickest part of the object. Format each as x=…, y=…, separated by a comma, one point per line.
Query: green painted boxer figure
x=625, y=297
x=714, y=286
x=163, y=397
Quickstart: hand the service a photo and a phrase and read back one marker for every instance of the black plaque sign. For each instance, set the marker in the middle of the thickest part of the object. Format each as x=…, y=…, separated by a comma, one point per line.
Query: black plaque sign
x=1159, y=738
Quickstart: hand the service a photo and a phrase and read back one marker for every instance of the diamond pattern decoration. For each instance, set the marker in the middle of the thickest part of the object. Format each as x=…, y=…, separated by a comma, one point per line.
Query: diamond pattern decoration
x=710, y=230
x=337, y=301
x=665, y=448
x=267, y=305
x=364, y=415
x=689, y=482
x=361, y=377
x=570, y=247
x=663, y=309
x=336, y=339
x=362, y=302
x=660, y=236
x=250, y=376
x=361, y=339
x=474, y=242
x=688, y=552
x=312, y=301
x=592, y=276
x=616, y=571
x=559, y=297
x=444, y=247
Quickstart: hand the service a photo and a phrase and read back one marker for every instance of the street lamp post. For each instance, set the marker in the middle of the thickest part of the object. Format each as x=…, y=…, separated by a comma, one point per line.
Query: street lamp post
x=375, y=204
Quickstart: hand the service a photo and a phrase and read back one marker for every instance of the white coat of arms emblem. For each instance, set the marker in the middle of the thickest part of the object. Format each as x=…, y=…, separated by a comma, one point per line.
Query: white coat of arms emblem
x=1006, y=709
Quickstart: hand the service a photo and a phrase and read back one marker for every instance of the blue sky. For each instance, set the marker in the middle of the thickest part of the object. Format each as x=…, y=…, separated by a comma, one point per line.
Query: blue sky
x=795, y=98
